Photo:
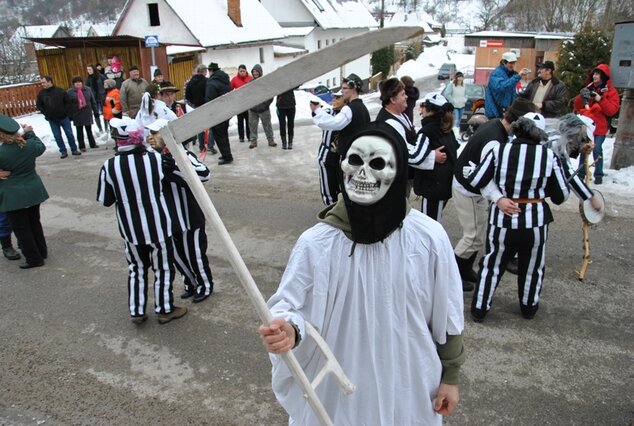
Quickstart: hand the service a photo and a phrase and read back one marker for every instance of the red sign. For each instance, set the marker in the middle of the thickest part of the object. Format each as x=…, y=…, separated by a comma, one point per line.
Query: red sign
x=493, y=43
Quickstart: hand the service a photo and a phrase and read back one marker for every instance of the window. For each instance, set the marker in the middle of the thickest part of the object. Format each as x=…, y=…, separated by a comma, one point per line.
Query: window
x=333, y=41
x=327, y=42
x=261, y=55
x=328, y=83
x=318, y=44
x=334, y=81
x=319, y=6
x=153, y=11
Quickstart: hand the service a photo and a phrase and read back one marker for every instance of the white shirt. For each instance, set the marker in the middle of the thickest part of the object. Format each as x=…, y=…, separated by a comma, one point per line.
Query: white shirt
x=381, y=310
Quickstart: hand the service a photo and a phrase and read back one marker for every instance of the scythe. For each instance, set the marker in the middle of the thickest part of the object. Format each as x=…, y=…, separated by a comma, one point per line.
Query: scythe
x=233, y=103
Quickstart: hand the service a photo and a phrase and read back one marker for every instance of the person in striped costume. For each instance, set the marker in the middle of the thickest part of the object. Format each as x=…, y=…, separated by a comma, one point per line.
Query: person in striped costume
x=526, y=173
x=188, y=220
x=132, y=181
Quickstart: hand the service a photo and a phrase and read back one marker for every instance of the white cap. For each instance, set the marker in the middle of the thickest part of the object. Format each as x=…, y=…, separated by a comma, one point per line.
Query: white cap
x=509, y=57
x=125, y=126
x=435, y=98
x=339, y=93
x=590, y=126
x=538, y=119
x=157, y=124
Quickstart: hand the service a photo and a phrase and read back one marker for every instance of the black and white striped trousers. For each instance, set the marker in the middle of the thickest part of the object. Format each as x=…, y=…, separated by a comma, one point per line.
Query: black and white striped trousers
x=142, y=257
x=433, y=208
x=190, y=256
x=328, y=171
x=501, y=246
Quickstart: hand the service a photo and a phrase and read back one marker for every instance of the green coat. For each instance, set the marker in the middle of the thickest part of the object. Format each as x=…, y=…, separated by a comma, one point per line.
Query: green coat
x=23, y=188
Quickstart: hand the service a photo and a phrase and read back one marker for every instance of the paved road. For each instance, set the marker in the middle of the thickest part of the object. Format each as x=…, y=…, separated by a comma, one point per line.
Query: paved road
x=69, y=354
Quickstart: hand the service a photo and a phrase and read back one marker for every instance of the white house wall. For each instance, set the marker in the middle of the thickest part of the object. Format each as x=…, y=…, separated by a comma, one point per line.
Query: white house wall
x=230, y=59
x=171, y=31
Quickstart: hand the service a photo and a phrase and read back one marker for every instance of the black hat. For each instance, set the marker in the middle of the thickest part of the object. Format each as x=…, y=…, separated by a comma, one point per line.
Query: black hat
x=8, y=124
x=354, y=81
x=167, y=86
x=548, y=64
x=158, y=72
x=213, y=67
x=133, y=68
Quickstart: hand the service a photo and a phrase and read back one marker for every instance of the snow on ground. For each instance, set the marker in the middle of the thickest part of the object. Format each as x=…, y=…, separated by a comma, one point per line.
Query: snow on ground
x=618, y=186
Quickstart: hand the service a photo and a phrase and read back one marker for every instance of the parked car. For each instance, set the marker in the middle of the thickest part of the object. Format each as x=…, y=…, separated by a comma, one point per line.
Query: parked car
x=447, y=71
x=321, y=91
x=473, y=92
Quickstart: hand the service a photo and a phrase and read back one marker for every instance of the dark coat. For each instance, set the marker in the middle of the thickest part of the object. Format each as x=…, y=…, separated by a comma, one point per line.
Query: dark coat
x=436, y=184
x=217, y=85
x=23, y=188
x=82, y=117
x=412, y=96
x=53, y=103
x=196, y=89
x=286, y=100
x=555, y=98
x=95, y=82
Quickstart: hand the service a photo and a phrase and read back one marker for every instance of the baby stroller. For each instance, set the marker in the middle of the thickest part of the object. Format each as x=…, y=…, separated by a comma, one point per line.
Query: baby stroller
x=477, y=118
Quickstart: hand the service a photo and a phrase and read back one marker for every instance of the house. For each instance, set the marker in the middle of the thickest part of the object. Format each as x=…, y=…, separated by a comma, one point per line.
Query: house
x=23, y=33
x=316, y=24
x=532, y=49
x=230, y=32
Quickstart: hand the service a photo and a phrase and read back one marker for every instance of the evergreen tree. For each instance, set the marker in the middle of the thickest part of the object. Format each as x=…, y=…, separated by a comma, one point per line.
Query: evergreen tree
x=578, y=57
x=382, y=61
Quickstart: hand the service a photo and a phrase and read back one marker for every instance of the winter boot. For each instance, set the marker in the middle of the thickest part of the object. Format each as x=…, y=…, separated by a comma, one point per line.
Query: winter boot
x=272, y=143
x=290, y=144
x=7, y=248
x=466, y=272
x=254, y=144
x=284, y=143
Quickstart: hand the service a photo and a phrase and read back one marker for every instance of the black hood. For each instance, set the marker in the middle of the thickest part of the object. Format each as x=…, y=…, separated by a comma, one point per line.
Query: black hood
x=375, y=222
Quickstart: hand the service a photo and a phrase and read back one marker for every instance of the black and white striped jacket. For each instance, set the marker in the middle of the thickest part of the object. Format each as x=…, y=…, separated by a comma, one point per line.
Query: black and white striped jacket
x=184, y=209
x=132, y=181
x=523, y=169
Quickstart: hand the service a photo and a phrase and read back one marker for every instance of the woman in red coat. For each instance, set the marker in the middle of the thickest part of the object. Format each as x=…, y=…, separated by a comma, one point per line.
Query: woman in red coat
x=598, y=100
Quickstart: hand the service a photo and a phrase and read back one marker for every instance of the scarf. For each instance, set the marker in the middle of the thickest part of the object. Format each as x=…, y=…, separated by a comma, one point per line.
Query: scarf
x=80, y=98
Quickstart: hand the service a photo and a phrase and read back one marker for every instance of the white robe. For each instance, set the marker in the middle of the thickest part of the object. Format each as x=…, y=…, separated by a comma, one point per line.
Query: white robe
x=381, y=311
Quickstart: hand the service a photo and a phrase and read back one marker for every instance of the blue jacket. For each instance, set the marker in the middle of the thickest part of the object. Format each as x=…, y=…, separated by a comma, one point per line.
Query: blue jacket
x=500, y=93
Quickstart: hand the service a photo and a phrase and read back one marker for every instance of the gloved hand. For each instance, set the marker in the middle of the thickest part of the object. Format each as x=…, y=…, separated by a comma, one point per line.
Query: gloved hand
x=467, y=170
x=585, y=95
x=168, y=163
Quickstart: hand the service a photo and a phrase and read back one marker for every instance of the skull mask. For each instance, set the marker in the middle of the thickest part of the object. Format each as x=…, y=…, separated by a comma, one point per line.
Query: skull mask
x=369, y=169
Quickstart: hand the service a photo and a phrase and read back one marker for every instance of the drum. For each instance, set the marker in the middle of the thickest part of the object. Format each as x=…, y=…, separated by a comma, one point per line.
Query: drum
x=593, y=216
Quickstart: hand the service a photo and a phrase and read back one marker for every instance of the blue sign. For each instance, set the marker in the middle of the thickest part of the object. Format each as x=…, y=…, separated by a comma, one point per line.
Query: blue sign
x=151, y=41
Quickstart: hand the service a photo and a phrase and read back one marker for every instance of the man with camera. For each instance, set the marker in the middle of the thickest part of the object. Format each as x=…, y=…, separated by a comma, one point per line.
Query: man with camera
x=500, y=92
x=547, y=93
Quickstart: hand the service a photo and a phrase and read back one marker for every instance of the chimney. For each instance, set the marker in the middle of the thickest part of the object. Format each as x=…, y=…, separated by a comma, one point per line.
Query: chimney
x=233, y=10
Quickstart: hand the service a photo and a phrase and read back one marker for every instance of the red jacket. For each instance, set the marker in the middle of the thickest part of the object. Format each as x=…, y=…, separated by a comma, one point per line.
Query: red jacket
x=237, y=81
x=599, y=111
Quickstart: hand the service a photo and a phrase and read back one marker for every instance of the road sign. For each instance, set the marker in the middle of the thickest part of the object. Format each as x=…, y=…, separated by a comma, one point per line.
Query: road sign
x=151, y=41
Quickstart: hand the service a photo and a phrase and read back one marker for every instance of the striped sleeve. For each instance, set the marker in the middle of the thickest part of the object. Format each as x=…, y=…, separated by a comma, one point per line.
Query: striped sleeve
x=420, y=155
x=557, y=185
x=484, y=173
x=203, y=172
x=105, y=191
x=577, y=185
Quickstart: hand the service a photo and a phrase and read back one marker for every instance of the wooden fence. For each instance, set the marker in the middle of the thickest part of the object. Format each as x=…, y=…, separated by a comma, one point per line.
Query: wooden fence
x=17, y=100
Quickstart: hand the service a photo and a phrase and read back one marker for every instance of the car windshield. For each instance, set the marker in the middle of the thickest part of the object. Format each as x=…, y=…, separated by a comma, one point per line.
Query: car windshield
x=445, y=67
x=474, y=91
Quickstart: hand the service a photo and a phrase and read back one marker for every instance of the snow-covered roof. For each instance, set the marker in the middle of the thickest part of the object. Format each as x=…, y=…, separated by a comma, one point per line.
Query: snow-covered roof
x=508, y=34
x=176, y=49
x=102, y=29
x=298, y=31
x=288, y=50
x=209, y=23
x=331, y=14
x=409, y=19
x=37, y=31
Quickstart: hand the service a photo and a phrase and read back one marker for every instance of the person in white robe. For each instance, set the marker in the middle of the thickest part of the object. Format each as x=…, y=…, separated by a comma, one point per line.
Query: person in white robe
x=379, y=281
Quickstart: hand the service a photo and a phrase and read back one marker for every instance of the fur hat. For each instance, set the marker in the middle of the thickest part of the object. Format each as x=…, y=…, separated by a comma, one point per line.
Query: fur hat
x=213, y=67
x=548, y=64
x=518, y=108
x=158, y=72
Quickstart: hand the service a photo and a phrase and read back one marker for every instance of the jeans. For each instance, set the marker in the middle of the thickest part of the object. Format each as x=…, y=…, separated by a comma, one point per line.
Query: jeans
x=56, y=128
x=598, y=151
x=5, y=229
x=457, y=116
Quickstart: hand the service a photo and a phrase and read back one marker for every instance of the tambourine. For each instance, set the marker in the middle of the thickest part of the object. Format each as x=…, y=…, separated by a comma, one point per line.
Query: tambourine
x=589, y=213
